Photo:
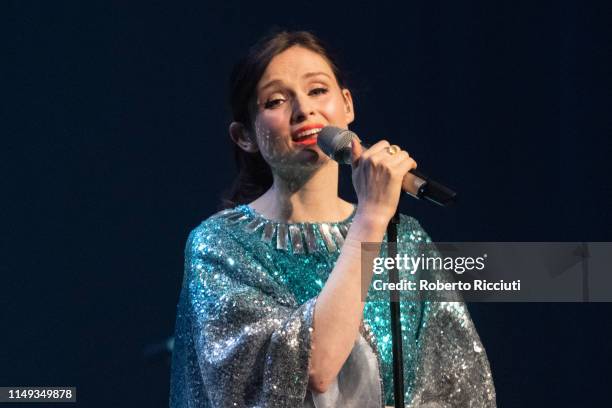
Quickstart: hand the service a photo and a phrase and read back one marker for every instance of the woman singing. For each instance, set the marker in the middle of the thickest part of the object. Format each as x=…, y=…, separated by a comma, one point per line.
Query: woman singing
x=271, y=311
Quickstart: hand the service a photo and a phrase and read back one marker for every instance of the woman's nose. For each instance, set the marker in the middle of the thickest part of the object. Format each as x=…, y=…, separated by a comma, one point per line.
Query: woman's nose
x=302, y=107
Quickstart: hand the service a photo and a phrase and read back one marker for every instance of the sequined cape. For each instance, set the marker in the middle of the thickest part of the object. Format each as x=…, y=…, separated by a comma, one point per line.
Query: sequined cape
x=244, y=325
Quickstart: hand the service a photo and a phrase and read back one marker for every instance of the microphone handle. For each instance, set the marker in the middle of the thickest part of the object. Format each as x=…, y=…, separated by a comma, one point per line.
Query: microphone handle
x=428, y=189
x=415, y=184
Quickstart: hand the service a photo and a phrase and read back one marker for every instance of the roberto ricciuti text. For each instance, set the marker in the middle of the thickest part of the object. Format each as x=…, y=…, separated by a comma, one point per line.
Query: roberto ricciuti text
x=425, y=285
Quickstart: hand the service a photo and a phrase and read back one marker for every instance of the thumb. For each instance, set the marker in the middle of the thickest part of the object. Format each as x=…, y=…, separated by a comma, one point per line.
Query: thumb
x=356, y=150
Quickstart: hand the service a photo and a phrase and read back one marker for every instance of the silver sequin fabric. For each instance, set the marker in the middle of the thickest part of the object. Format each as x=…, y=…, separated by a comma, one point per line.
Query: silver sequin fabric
x=245, y=320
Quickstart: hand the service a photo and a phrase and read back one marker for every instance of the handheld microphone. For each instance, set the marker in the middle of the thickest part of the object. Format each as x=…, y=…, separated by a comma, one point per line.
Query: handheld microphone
x=336, y=143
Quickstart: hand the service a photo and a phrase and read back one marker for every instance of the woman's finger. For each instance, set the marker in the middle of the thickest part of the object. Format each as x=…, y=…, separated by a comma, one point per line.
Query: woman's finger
x=377, y=147
x=356, y=151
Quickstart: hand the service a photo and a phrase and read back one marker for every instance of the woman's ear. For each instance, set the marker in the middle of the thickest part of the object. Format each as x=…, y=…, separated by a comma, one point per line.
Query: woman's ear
x=349, y=113
x=241, y=136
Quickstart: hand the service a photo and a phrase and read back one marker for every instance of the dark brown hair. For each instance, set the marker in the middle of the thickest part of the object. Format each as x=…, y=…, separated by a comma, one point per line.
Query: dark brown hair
x=254, y=174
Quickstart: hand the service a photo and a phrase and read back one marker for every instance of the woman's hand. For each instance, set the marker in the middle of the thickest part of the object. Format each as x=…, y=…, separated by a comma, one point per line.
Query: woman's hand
x=377, y=178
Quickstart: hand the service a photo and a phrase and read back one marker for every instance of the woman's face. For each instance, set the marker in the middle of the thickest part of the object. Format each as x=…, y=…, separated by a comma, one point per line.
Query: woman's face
x=297, y=96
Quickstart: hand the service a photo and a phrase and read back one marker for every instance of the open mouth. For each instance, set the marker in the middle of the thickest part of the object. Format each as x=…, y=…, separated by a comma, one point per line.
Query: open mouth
x=307, y=137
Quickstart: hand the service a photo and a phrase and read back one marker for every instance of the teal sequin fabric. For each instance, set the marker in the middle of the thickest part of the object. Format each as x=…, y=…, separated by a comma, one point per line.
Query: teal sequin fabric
x=244, y=323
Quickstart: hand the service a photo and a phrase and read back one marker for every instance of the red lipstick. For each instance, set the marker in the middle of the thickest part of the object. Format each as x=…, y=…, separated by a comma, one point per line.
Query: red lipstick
x=310, y=140
x=304, y=128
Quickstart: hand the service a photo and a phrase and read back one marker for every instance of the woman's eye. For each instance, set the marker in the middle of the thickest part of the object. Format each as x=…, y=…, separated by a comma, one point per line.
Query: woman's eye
x=273, y=103
x=319, y=91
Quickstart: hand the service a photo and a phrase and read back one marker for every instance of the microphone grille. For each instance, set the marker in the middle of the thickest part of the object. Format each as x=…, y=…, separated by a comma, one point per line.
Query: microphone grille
x=336, y=143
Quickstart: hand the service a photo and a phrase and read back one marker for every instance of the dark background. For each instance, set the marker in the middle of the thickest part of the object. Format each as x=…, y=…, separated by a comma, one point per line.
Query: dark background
x=114, y=146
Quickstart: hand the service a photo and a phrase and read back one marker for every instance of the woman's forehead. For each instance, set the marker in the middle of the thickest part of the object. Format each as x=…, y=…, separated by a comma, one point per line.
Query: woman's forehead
x=295, y=63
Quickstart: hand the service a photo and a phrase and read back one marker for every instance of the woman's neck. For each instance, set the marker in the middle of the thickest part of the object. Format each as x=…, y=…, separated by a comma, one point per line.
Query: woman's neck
x=312, y=199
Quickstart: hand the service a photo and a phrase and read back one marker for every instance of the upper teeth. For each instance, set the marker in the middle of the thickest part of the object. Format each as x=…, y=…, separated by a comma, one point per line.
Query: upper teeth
x=308, y=132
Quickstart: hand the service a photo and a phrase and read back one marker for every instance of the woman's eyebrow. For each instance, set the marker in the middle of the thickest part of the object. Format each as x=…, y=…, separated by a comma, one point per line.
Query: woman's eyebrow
x=311, y=74
x=305, y=76
x=271, y=83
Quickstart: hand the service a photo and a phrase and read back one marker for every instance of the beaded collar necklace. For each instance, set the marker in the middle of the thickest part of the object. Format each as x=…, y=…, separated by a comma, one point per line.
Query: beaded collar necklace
x=299, y=237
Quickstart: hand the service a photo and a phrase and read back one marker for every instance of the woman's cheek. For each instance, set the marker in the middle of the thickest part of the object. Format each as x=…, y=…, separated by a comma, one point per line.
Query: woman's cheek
x=270, y=131
x=334, y=111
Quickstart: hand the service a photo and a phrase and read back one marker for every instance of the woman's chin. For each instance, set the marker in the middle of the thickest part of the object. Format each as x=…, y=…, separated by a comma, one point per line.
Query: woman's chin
x=302, y=161
x=309, y=156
